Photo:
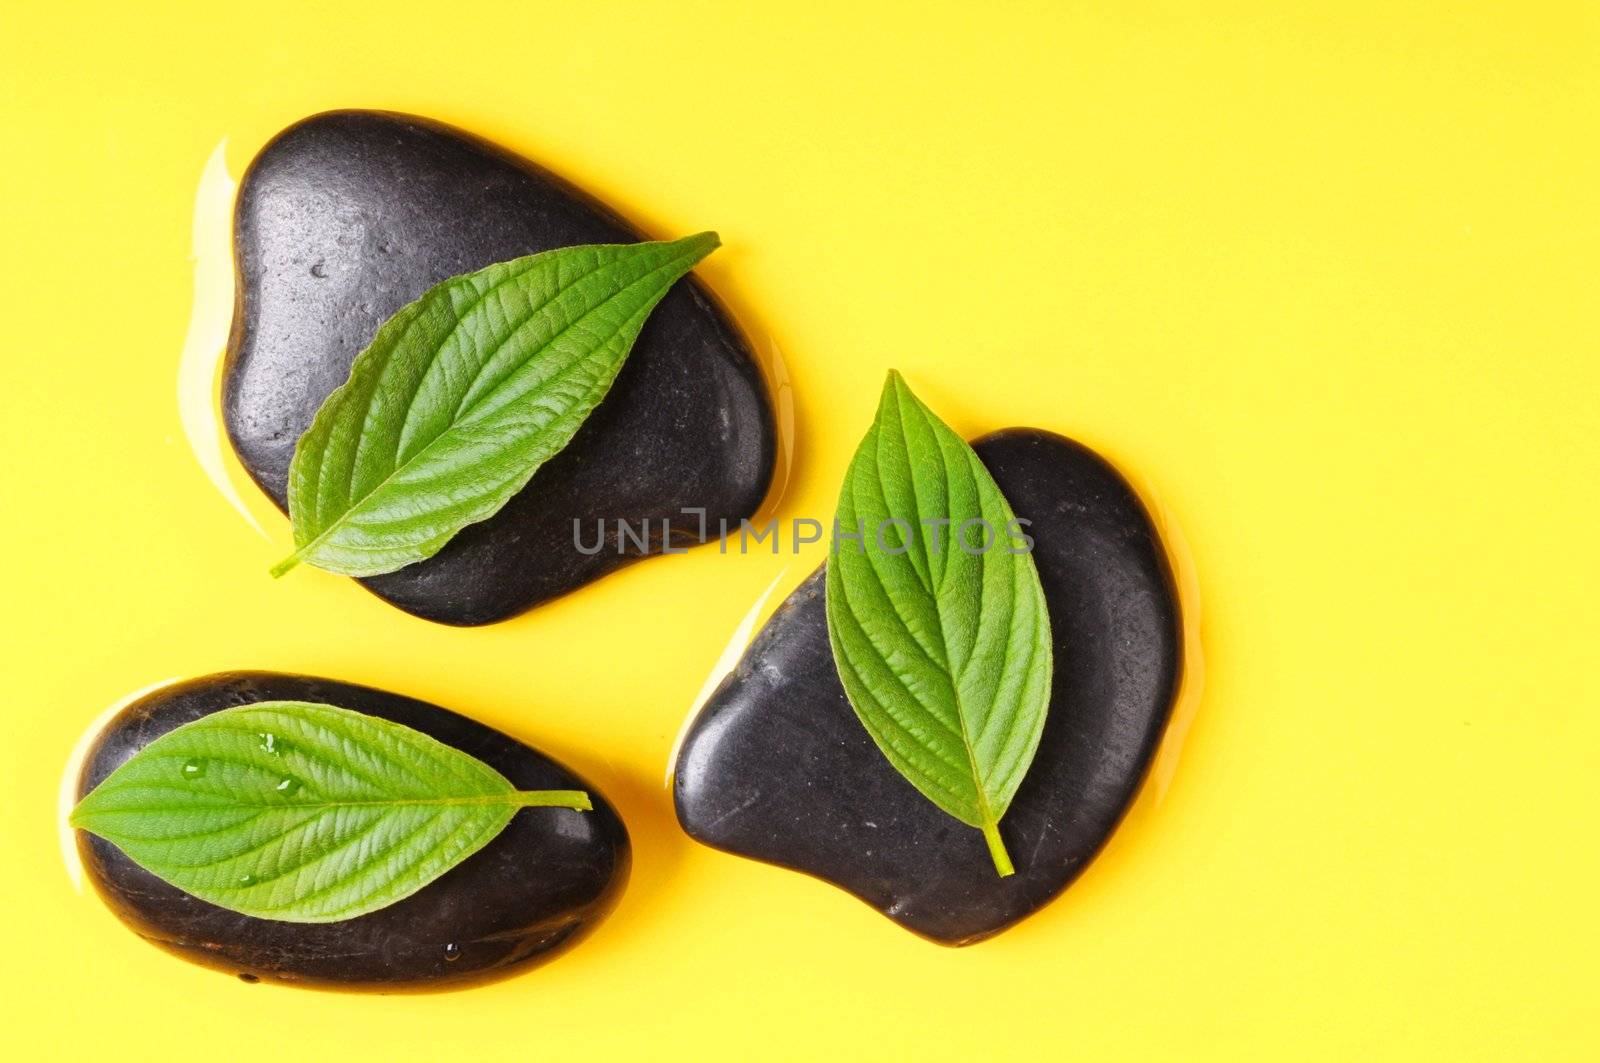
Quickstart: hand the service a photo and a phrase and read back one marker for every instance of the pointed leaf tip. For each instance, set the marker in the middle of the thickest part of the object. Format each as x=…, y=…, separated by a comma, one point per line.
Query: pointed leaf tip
x=704, y=242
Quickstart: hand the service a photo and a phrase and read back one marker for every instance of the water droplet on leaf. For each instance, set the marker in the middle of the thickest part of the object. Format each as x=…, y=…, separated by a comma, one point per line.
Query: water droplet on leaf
x=194, y=768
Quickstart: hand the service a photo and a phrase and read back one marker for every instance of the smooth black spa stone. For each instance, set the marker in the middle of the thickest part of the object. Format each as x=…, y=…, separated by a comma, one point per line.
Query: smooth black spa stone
x=542, y=884
x=778, y=767
x=346, y=217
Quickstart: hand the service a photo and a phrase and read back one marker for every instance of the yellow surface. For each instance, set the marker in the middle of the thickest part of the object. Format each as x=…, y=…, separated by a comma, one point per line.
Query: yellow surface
x=1324, y=281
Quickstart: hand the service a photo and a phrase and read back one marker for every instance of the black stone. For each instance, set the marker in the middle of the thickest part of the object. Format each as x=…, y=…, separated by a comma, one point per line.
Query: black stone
x=538, y=888
x=346, y=217
x=777, y=767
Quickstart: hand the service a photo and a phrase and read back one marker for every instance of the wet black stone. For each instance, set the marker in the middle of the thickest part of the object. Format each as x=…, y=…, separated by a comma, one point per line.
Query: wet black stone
x=539, y=887
x=346, y=217
x=777, y=767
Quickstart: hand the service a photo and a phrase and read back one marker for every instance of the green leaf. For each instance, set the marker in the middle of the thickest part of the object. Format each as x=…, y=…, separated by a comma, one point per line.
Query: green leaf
x=303, y=813
x=463, y=394
x=943, y=645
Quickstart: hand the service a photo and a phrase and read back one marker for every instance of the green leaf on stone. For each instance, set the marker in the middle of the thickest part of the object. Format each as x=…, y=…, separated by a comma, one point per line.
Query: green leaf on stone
x=463, y=394
x=936, y=616
x=303, y=813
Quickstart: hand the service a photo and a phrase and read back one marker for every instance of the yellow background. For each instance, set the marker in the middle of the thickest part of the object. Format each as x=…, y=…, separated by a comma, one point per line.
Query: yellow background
x=1323, y=280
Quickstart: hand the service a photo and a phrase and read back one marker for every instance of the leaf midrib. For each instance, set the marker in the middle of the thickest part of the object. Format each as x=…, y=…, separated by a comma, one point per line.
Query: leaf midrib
x=477, y=301
x=980, y=791
x=516, y=798
x=465, y=412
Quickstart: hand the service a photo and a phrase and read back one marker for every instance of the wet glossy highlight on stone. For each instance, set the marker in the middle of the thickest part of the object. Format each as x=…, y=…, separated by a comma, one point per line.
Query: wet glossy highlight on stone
x=537, y=888
x=347, y=216
x=778, y=767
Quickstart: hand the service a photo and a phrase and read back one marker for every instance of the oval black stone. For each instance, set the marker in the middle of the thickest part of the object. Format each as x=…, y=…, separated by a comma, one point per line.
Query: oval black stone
x=542, y=884
x=778, y=767
x=347, y=216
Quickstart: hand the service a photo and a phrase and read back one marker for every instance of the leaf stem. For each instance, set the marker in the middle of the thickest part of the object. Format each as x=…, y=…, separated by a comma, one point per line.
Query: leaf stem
x=576, y=800
x=997, y=850
x=288, y=563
